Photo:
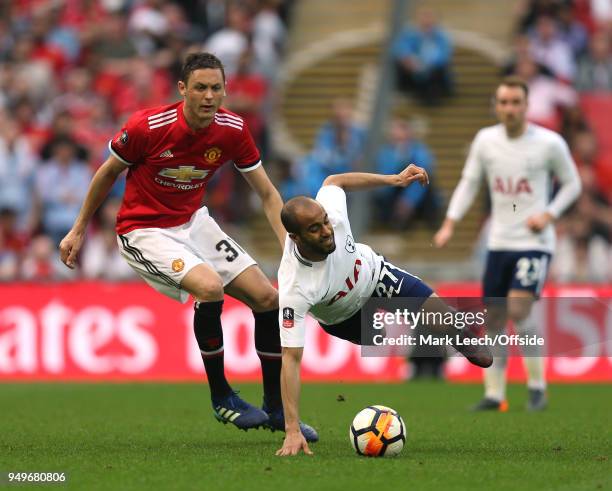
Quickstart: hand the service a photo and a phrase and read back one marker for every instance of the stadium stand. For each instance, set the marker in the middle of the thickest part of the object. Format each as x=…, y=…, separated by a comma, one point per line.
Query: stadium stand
x=70, y=71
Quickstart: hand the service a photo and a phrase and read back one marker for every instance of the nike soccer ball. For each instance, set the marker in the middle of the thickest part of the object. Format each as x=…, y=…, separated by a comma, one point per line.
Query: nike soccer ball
x=378, y=431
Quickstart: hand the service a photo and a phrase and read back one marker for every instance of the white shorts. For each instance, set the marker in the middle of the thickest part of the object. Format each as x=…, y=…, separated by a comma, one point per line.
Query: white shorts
x=163, y=256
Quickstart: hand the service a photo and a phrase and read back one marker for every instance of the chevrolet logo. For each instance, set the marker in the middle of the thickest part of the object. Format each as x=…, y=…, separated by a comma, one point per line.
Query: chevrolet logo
x=185, y=173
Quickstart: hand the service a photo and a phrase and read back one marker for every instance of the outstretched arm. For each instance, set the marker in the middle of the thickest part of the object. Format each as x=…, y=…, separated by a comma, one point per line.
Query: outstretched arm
x=272, y=202
x=460, y=202
x=100, y=185
x=290, y=389
x=352, y=181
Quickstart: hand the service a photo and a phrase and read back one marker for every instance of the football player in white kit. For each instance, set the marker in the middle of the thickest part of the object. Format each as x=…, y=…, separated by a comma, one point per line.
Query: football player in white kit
x=518, y=160
x=324, y=272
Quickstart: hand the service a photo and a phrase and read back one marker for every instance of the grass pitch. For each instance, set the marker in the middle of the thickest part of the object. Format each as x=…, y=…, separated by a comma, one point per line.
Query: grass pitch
x=163, y=436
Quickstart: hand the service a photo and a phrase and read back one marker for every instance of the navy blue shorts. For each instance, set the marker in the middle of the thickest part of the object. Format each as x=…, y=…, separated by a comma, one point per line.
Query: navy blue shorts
x=515, y=270
x=392, y=282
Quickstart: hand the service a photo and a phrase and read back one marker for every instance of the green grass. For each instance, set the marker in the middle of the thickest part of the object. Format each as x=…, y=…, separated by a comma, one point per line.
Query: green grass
x=163, y=436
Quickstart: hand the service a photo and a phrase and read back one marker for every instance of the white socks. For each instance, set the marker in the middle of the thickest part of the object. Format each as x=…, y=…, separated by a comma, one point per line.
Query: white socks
x=532, y=355
x=495, y=379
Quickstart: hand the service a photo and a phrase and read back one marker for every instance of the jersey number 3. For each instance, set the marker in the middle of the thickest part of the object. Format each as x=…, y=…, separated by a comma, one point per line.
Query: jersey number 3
x=229, y=249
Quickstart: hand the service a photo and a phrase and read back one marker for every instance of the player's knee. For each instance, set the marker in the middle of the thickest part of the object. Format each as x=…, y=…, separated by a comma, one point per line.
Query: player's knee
x=209, y=290
x=519, y=311
x=267, y=300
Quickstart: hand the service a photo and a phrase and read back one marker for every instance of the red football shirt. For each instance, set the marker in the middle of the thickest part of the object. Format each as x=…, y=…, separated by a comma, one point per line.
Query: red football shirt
x=170, y=163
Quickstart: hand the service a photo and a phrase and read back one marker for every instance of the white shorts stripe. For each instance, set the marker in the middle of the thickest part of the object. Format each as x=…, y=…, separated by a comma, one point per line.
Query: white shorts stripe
x=149, y=266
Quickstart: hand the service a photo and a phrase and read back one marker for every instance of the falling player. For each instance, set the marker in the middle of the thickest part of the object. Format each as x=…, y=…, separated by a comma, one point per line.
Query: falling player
x=171, y=152
x=325, y=273
x=518, y=159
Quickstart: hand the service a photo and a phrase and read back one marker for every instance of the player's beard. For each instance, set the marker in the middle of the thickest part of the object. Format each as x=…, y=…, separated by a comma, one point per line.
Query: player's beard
x=324, y=248
x=321, y=248
x=513, y=123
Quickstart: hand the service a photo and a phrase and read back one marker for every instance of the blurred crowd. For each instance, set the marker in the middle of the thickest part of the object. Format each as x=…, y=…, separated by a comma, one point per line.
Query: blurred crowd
x=72, y=71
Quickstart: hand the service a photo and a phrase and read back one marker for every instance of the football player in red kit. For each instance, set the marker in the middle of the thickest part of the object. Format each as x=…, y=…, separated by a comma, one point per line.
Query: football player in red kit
x=170, y=240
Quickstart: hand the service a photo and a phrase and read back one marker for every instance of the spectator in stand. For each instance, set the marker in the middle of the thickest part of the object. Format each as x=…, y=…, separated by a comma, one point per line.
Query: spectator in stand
x=149, y=26
x=114, y=46
x=78, y=98
x=61, y=184
x=573, y=32
x=96, y=131
x=101, y=258
x=529, y=11
x=246, y=95
x=229, y=43
x=7, y=39
x=595, y=67
x=13, y=243
x=397, y=207
x=268, y=37
x=62, y=127
x=26, y=118
x=422, y=56
x=289, y=184
x=601, y=12
x=143, y=87
x=60, y=40
x=339, y=144
x=33, y=76
x=215, y=15
x=587, y=154
x=573, y=123
x=549, y=49
x=584, y=253
x=546, y=95
x=42, y=263
x=520, y=51
x=18, y=164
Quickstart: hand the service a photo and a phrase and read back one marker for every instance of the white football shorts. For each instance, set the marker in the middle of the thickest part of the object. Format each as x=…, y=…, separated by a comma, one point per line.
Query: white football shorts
x=163, y=256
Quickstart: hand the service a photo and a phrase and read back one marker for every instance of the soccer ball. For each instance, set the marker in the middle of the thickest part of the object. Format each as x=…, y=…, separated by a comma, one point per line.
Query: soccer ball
x=378, y=431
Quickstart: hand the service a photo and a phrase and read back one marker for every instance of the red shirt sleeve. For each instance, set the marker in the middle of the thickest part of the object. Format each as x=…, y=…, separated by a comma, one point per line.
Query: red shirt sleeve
x=129, y=144
x=247, y=156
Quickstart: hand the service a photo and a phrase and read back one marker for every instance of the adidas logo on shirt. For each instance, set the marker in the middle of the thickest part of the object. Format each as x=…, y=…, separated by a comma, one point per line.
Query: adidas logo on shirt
x=166, y=154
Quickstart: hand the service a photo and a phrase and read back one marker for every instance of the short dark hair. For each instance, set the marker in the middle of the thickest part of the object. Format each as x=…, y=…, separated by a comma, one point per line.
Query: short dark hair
x=514, y=81
x=290, y=212
x=289, y=219
x=197, y=61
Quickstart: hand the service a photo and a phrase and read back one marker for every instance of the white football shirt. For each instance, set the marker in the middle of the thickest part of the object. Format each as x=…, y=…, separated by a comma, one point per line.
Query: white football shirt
x=519, y=174
x=332, y=290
